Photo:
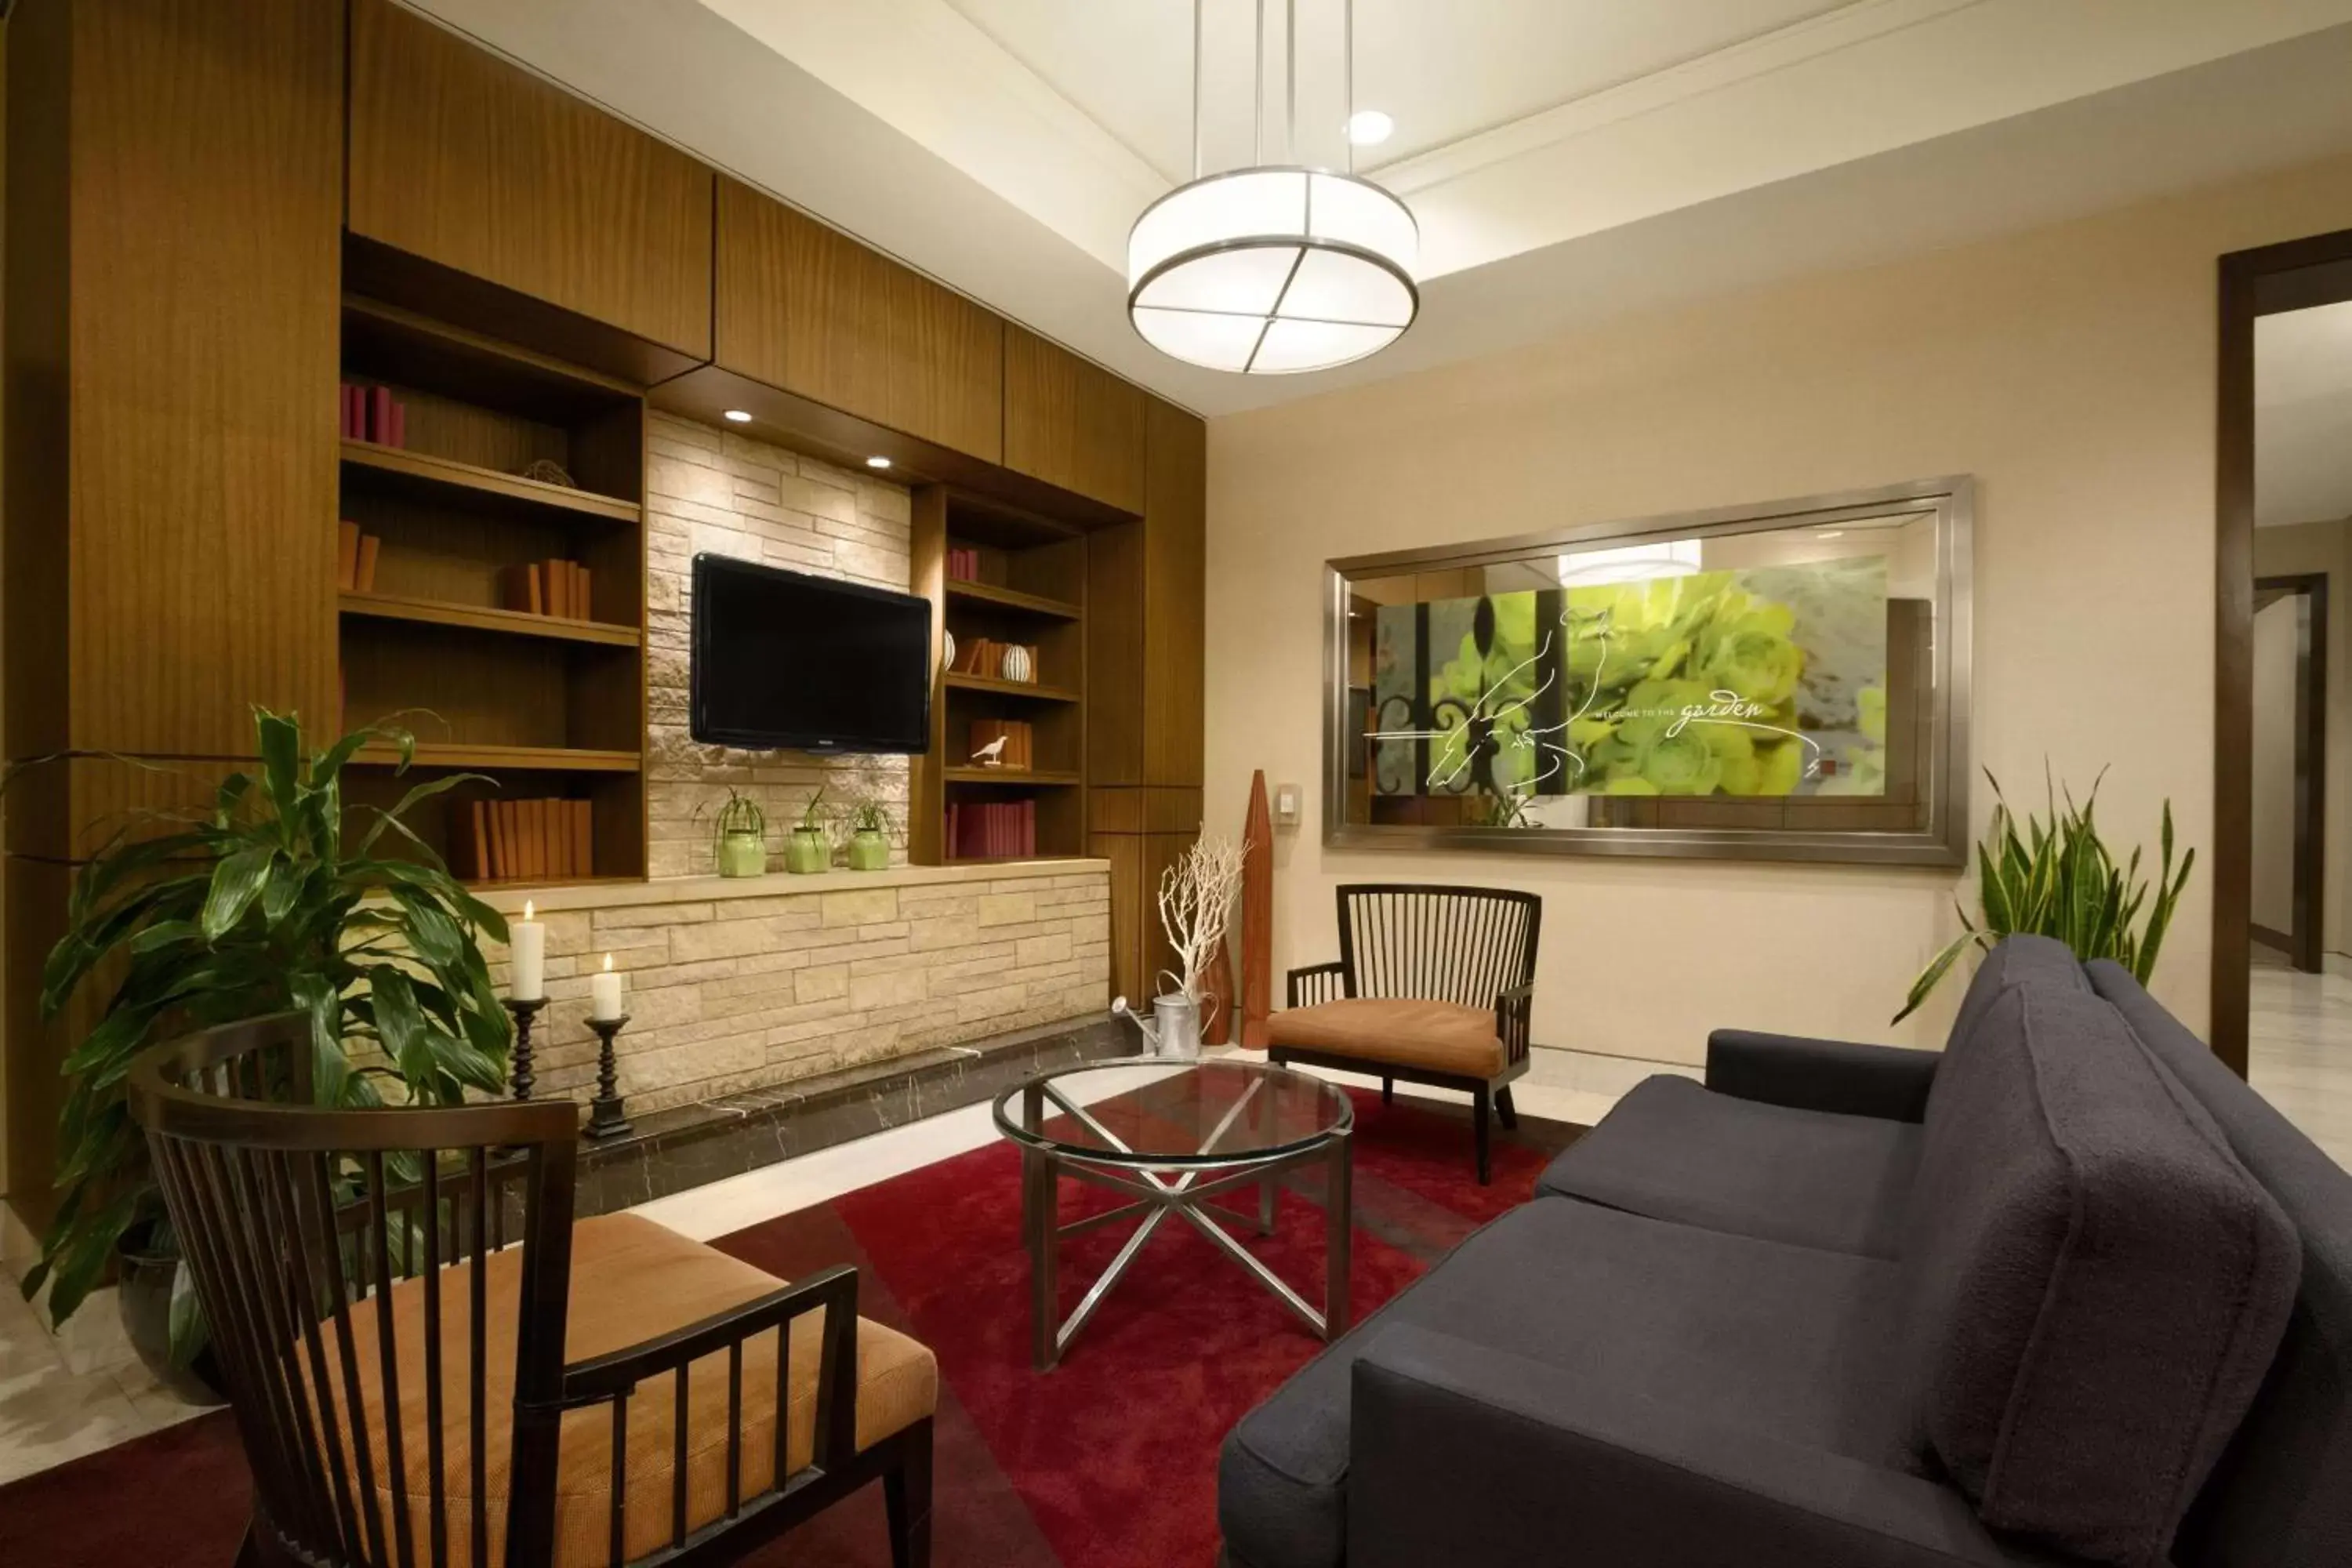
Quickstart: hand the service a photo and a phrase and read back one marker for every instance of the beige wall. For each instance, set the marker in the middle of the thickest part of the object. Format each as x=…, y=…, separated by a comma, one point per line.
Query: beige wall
x=2326, y=549
x=2070, y=369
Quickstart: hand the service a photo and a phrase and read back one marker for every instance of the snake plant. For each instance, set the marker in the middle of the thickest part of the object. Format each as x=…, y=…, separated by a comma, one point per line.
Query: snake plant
x=2058, y=879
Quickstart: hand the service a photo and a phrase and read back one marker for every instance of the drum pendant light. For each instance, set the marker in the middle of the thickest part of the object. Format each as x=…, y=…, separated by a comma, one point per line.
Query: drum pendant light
x=1274, y=268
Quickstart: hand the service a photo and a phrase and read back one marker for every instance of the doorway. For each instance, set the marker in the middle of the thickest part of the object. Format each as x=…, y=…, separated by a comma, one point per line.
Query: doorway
x=2288, y=824
x=2282, y=975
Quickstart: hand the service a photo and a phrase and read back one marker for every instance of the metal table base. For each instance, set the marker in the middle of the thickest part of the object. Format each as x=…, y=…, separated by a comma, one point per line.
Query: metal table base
x=1155, y=1190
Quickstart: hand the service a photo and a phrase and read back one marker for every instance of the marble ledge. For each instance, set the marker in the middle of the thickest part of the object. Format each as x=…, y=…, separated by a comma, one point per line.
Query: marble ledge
x=508, y=900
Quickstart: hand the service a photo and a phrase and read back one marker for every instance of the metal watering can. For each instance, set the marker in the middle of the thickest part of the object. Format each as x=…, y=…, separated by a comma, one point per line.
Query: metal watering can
x=1176, y=1035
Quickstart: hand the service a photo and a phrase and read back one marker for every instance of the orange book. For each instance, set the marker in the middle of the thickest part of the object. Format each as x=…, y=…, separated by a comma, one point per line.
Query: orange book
x=556, y=823
x=511, y=819
x=583, y=838
x=479, y=839
x=559, y=586
x=498, y=825
x=534, y=839
x=347, y=555
x=582, y=600
x=364, y=577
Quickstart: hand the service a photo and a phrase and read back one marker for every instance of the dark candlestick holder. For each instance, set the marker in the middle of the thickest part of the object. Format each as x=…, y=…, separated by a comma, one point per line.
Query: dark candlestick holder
x=607, y=1113
x=524, y=1012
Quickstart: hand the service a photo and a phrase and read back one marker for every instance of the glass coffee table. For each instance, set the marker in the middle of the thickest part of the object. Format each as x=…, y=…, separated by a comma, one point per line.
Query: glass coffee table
x=1170, y=1144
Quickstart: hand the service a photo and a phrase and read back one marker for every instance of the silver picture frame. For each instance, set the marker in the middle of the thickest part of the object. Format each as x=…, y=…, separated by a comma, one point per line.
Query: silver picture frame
x=1949, y=502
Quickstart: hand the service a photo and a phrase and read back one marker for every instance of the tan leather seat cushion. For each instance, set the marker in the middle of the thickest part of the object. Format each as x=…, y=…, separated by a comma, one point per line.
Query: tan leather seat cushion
x=632, y=1280
x=1443, y=1037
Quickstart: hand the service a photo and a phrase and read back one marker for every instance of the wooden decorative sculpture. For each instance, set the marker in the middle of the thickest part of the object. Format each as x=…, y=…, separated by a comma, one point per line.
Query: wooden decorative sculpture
x=1257, y=916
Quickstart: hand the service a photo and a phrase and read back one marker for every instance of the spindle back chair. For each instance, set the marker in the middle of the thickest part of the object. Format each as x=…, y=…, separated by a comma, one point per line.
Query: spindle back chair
x=1472, y=947
x=316, y=1236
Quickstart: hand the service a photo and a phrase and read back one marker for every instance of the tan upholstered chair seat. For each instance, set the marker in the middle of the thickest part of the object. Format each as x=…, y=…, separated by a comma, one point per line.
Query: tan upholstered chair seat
x=632, y=1280
x=1438, y=1036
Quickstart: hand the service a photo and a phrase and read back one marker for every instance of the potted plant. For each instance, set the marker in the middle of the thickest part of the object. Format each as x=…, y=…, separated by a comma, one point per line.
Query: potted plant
x=869, y=834
x=1196, y=903
x=808, y=848
x=740, y=837
x=262, y=904
x=2058, y=879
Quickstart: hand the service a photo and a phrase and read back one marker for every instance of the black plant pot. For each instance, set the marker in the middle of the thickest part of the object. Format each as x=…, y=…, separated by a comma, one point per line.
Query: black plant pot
x=144, y=1277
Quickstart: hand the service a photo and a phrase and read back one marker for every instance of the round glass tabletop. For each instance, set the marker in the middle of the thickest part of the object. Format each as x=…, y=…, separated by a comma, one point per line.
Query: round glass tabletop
x=1142, y=1112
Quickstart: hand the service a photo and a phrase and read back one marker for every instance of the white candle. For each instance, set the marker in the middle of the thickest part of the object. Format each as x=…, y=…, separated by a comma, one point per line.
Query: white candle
x=604, y=992
x=527, y=946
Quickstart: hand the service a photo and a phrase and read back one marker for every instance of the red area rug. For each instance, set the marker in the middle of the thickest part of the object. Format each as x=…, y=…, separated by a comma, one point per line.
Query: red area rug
x=1108, y=1461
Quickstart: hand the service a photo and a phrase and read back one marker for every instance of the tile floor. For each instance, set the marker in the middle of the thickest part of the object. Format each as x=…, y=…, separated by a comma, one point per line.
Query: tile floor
x=2299, y=1049
x=63, y=1397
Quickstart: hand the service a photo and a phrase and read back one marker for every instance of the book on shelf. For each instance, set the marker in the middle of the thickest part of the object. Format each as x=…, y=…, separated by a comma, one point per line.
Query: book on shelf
x=363, y=570
x=992, y=830
x=347, y=555
x=520, y=588
x=964, y=563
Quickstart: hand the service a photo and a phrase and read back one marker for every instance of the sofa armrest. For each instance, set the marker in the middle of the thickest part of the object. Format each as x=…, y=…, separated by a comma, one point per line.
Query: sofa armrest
x=1461, y=1455
x=1886, y=1082
x=1317, y=983
x=1514, y=1015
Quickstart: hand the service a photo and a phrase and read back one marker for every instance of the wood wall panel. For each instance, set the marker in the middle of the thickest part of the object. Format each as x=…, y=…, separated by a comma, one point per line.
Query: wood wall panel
x=1175, y=586
x=201, y=442
x=1071, y=422
x=466, y=160
x=807, y=309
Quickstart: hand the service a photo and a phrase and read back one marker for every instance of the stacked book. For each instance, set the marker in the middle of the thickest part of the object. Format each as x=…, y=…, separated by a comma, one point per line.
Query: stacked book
x=522, y=840
x=964, y=563
x=985, y=657
x=355, y=554
x=549, y=587
x=1019, y=745
x=373, y=413
x=992, y=830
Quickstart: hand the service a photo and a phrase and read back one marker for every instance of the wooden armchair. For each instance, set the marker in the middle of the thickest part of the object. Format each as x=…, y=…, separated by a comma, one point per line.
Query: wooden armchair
x=1433, y=985
x=431, y=1363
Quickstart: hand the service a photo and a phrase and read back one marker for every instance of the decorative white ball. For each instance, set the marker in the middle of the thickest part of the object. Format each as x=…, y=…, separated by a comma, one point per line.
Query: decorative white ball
x=1016, y=664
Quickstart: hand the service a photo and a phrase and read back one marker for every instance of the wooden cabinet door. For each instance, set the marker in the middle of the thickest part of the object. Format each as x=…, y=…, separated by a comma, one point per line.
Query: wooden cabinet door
x=1071, y=424
x=203, y=184
x=460, y=158
x=807, y=309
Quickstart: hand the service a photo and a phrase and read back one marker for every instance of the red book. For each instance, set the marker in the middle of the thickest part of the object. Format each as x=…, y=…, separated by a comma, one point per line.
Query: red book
x=398, y=425
x=1029, y=828
x=346, y=409
x=379, y=422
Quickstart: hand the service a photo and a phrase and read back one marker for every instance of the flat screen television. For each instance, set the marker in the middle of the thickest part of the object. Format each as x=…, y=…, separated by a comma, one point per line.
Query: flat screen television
x=781, y=660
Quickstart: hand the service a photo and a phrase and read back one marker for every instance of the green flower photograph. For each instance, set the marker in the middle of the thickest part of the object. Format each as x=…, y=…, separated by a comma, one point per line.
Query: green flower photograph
x=1766, y=681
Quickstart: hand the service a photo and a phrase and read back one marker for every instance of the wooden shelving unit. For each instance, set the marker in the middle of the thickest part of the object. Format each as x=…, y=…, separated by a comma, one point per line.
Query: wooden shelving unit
x=1032, y=590
x=545, y=707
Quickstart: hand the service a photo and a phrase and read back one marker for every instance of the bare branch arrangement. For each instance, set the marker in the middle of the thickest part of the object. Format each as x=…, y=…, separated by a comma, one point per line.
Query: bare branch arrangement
x=1196, y=903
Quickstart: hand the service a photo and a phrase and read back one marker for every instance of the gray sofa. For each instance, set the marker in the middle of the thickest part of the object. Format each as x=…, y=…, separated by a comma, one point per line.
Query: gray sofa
x=2065, y=1292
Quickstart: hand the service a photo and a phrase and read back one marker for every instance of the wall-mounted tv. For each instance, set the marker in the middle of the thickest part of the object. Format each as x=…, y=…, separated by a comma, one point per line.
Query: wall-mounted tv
x=781, y=660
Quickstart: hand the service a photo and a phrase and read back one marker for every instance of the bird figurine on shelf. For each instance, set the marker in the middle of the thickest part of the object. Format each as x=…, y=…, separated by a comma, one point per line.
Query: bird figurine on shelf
x=991, y=756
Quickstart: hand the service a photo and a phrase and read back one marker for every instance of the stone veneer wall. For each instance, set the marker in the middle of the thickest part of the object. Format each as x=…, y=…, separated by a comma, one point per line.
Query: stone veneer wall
x=735, y=985
x=712, y=490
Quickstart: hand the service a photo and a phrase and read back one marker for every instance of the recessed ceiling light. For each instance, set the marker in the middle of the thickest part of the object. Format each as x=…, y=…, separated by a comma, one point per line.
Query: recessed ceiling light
x=1369, y=127
x=738, y=416
x=1830, y=533
x=877, y=462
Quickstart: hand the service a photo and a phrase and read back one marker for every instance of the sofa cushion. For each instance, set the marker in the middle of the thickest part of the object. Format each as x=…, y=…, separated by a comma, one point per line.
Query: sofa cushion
x=1674, y=1150
x=2095, y=1285
x=1440, y=1036
x=2262, y=1507
x=632, y=1280
x=1791, y=1341
x=2015, y=960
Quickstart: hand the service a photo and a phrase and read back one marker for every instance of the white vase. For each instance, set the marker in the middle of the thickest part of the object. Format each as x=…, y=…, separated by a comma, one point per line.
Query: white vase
x=1017, y=666
x=947, y=654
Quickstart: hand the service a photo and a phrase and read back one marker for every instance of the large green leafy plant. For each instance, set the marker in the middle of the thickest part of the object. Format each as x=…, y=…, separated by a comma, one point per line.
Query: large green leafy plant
x=2057, y=878
x=262, y=905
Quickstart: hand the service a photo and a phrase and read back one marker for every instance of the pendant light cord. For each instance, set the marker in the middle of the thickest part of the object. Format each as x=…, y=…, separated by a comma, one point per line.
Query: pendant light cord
x=1196, y=86
x=1258, y=61
x=1290, y=80
x=1347, y=85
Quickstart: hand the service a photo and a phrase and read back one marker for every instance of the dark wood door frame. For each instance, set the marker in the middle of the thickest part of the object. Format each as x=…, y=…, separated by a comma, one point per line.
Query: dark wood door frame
x=2253, y=283
x=2304, y=944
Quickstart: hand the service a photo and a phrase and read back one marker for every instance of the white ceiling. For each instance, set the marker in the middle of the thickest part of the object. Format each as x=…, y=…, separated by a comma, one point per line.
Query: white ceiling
x=2302, y=415
x=1567, y=158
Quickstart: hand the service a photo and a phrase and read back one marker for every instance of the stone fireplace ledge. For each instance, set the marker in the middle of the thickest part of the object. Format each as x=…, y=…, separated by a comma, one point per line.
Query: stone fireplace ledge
x=558, y=897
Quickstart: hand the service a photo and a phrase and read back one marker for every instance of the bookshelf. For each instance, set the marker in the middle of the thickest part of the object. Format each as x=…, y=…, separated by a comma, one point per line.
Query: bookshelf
x=441, y=634
x=1028, y=589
